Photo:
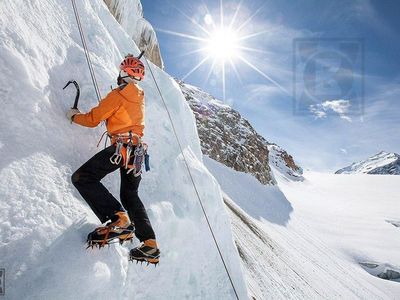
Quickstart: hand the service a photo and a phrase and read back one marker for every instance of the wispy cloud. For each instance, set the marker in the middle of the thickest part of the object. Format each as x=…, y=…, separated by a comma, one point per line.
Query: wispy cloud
x=365, y=12
x=339, y=107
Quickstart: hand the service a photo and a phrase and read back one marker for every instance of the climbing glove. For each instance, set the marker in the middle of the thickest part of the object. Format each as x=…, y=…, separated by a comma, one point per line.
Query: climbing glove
x=71, y=113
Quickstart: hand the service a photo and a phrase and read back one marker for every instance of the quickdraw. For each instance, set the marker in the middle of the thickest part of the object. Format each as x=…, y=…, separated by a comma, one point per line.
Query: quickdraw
x=117, y=156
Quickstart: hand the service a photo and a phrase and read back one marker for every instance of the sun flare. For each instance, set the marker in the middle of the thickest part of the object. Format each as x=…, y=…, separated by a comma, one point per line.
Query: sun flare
x=222, y=44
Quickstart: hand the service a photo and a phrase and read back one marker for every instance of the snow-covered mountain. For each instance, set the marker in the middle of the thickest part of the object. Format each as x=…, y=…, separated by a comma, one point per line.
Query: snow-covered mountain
x=381, y=163
x=229, y=138
x=129, y=13
x=44, y=221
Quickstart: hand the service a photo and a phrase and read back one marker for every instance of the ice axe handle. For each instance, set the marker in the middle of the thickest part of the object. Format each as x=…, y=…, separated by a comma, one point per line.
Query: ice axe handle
x=78, y=92
x=140, y=55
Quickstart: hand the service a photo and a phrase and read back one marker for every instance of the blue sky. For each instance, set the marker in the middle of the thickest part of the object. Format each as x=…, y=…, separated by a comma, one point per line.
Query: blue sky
x=345, y=55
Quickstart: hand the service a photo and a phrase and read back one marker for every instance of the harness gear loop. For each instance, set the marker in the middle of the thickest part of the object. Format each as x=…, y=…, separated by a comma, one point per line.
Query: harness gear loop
x=101, y=138
x=129, y=148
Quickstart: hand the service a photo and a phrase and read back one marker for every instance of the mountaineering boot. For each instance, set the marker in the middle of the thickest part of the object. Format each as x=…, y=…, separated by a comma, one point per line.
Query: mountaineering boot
x=147, y=252
x=118, y=227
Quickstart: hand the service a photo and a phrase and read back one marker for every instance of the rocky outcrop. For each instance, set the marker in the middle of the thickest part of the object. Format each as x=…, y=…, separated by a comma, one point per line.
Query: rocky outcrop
x=129, y=13
x=383, y=163
x=284, y=163
x=229, y=138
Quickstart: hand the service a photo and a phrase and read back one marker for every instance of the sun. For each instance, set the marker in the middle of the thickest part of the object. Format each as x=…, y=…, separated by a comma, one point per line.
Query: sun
x=223, y=44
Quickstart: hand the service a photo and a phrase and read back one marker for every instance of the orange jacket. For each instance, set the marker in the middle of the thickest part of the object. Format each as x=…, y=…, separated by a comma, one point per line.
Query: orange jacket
x=123, y=109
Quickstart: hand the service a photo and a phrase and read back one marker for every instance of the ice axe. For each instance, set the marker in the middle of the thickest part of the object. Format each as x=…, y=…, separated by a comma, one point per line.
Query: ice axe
x=78, y=92
x=140, y=55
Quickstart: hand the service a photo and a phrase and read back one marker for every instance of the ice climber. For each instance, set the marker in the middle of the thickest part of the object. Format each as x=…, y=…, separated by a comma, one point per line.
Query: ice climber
x=123, y=111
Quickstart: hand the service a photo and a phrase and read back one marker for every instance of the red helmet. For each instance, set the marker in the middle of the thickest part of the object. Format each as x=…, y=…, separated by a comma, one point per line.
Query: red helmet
x=133, y=67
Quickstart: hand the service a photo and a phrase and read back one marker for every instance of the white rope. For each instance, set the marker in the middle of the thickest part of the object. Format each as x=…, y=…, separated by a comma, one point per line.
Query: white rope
x=85, y=48
x=192, y=180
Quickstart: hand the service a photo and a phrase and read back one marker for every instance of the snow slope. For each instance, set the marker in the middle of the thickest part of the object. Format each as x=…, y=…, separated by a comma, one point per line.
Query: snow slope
x=381, y=163
x=43, y=220
x=306, y=240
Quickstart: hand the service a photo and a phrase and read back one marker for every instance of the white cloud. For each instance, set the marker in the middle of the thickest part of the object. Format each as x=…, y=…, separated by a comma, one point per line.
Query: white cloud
x=340, y=107
x=319, y=114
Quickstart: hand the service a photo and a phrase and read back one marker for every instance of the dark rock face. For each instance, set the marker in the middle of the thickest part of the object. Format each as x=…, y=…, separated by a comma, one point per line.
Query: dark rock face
x=229, y=138
x=284, y=162
x=389, y=275
x=390, y=169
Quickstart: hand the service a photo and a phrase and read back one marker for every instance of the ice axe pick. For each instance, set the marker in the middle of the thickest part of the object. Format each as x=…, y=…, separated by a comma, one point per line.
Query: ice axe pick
x=78, y=92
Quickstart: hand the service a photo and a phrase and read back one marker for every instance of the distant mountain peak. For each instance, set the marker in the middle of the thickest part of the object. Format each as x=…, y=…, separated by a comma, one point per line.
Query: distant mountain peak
x=385, y=163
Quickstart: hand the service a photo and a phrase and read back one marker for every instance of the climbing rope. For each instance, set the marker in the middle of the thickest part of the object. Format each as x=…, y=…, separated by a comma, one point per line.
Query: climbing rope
x=192, y=179
x=85, y=48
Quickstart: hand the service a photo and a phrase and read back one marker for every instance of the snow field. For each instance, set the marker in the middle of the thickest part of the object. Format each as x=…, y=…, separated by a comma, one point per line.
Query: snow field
x=306, y=240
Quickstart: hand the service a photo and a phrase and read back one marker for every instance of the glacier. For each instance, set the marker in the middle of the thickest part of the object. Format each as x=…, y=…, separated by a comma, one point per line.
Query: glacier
x=326, y=237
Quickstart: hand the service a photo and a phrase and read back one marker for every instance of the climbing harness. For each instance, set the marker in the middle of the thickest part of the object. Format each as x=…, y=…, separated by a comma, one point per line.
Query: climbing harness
x=191, y=178
x=125, y=147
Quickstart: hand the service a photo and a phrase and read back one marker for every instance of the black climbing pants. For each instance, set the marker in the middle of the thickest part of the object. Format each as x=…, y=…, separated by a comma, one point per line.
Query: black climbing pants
x=87, y=180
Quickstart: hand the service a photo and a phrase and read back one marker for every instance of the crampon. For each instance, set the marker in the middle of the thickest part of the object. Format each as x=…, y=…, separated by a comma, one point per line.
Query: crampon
x=154, y=261
x=107, y=235
x=145, y=254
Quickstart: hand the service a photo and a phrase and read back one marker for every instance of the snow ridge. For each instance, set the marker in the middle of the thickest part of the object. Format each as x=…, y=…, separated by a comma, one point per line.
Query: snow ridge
x=381, y=163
